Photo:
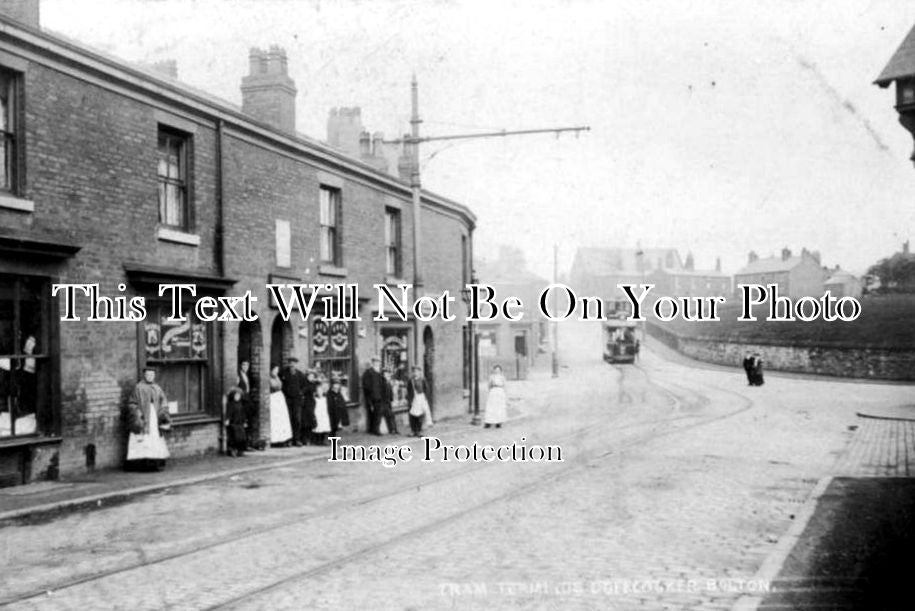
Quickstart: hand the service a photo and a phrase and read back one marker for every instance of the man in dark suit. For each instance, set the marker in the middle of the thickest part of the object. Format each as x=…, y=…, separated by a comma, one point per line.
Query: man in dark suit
x=387, y=406
x=373, y=392
x=294, y=388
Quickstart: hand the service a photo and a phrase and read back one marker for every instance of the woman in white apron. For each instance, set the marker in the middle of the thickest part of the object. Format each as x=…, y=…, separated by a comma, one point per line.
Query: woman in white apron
x=148, y=408
x=280, y=428
x=495, y=402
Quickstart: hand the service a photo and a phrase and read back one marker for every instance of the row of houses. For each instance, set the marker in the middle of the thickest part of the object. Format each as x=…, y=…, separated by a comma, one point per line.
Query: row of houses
x=598, y=271
x=126, y=178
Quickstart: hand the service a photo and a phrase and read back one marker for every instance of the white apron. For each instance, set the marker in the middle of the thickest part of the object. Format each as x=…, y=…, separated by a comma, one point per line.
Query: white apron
x=149, y=445
x=280, y=428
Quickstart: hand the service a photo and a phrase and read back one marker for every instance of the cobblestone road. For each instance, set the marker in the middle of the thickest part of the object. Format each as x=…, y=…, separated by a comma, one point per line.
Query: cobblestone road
x=676, y=484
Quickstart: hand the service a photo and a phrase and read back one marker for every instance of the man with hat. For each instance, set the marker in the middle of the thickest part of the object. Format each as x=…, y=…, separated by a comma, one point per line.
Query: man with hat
x=295, y=386
x=373, y=391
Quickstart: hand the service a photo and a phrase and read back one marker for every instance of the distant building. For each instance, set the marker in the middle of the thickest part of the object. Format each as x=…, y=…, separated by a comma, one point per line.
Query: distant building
x=514, y=345
x=843, y=284
x=690, y=283
x=596, y=272
x=796, y=276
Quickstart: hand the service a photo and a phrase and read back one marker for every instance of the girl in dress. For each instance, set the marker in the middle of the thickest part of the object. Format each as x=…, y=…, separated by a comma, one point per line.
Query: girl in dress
x=419, y=405
x=321, y=414
x=236, y=436
x=495, y=402
x=280, y=428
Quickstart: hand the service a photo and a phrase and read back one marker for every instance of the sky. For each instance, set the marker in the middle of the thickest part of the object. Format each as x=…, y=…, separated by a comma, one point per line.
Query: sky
x=715, y=127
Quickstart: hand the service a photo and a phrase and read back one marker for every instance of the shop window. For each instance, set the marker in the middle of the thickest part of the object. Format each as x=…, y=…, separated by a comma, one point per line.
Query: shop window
x=180, y=352
x=25, y=357
x=332, y=351
x=395, y=355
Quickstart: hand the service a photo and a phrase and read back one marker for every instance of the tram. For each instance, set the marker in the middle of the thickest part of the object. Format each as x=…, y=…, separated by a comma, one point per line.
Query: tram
x=621, y=343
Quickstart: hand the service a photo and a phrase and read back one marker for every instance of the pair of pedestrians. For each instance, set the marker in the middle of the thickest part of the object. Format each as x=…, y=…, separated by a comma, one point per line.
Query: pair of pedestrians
x=378, y=392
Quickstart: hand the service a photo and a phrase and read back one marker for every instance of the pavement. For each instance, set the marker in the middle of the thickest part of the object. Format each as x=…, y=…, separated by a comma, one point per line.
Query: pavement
x=48, y=499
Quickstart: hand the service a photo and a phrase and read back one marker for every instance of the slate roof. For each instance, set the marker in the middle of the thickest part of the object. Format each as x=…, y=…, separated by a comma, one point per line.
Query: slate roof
x=840, y=277
x=770, y=265
x=902, y=63
x=608, y=261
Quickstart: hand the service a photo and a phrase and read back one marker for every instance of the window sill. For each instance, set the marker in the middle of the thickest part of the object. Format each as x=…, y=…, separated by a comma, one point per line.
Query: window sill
x=179, y=237
x=394, y=280
x=11, y=202
x=326, y=269
x=192, y=419
x=27, y=440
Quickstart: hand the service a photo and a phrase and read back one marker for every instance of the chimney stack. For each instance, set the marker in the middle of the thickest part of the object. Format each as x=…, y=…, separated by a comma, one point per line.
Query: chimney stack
x=786, y=254
x=752, y=257
x=25, y=12
x=345, y=130
x=268, y=92
x=717, y=264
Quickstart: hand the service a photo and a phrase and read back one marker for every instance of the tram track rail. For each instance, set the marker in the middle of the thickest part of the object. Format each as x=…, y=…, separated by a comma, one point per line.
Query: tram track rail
x=645, y=431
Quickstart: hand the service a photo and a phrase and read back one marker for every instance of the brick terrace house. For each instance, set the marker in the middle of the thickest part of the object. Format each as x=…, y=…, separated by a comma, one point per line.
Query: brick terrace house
x=596, y=272
x=795, y=276
x=124, y=178
x=690, y=282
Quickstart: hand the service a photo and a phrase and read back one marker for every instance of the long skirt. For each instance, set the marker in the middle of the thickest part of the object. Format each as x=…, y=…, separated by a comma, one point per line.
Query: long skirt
x=147, y=446
x=280, y=428
x=321, y=416
x=495, y=406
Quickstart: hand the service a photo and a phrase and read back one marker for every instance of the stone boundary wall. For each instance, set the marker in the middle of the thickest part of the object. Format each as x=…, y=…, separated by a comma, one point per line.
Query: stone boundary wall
x=841, y=361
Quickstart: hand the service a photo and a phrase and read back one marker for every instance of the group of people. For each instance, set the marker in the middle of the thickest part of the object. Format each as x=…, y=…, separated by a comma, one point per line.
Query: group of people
x=304, y=408
x=753, y=365
x=378, y=392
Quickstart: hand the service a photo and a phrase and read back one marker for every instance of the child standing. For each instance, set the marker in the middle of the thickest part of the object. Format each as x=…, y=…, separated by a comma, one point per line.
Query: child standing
x=236, y=438
x=416, y=397
x=336, y=406
x=321, y=413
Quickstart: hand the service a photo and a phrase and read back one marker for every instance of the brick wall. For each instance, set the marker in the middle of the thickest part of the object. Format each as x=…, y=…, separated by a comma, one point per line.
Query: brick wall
x=90, y=157
x=847, y=362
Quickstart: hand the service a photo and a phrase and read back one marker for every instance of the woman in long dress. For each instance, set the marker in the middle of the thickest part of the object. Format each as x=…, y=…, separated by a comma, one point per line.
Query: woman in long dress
x=280, y=428
x=148, y=412
x=321, y=416
x=419, y=405
x=495, y=402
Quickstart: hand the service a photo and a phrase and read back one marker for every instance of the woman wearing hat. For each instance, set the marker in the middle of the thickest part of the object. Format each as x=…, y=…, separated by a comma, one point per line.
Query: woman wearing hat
x=147, y=412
